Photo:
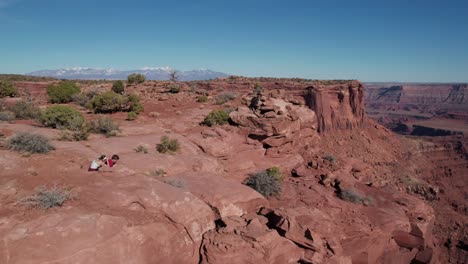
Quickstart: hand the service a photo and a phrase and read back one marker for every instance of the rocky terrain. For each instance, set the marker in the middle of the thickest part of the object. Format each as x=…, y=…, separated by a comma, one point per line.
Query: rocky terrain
x=352, y=191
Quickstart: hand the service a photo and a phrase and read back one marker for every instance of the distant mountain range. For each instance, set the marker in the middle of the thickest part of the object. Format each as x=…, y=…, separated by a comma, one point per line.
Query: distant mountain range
x=162, y=73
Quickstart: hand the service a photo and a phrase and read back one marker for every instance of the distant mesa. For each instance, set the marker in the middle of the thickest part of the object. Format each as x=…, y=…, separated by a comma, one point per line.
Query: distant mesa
x=161, y=73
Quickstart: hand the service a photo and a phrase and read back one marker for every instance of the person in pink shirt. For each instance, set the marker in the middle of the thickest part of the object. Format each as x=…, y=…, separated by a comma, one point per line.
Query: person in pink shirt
x=112, y=161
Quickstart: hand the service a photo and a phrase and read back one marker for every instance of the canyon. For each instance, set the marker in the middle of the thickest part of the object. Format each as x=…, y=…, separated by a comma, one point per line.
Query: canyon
x=332, y=140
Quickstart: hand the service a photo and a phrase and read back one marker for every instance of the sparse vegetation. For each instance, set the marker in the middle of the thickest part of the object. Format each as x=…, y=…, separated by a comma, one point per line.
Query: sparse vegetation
x=62, y=92
x=77, y=135
x=275, y=172
x=47, y=198
x=132, y=116
x=257, y=89
x=175, y=182
x=202, y=98
x=168, y=145
x=141, y=149
x=62, y=117
x=104, y=125
x=7, y=116
x=216, y=117
x=225, y=97
x=136, y=78
x=174, y=89
x=133, y=104
x=7, y=89
x=173, y=75
x=29, y=142
x=25, y=110
x=351, y=195
x=330, y=158
x=158, y=173
x=118, y=87
x=265, y=184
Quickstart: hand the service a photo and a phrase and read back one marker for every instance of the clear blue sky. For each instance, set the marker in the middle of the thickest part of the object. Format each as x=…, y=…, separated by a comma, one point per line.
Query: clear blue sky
x=376, y=40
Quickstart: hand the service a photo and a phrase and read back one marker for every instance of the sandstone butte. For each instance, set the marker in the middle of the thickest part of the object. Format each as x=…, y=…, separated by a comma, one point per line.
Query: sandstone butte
x=316, y=132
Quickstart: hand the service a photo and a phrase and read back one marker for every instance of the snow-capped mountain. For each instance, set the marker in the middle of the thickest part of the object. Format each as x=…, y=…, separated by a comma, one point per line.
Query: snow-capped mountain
x=161, y=73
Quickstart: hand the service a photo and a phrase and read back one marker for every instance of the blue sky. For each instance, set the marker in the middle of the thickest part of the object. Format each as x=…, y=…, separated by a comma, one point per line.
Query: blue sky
x=365, y=40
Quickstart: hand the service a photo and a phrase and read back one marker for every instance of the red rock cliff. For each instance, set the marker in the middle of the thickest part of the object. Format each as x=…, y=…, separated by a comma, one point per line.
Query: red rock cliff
x=337, y=106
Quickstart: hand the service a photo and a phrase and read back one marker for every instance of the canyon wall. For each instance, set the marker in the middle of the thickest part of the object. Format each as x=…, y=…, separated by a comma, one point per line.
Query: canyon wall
x=434, y=99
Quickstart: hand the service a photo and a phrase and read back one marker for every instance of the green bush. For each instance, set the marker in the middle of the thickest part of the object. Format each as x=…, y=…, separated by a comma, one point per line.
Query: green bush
x=136, y=78
x=107, y=102
x=118, y=87
x=275, y=172
x=264, y=184
x=47, y=198
x=216, y=117
x=133, y=104
x=7, y=116
x=62, y=117
x=7, y=89
x=63, y=92
x=25, y=110
x=29, y=142
x=132, y=116
x=202, y=98
x=104, y=125
x=257, y=89
x=110, y=102
x=168, y=145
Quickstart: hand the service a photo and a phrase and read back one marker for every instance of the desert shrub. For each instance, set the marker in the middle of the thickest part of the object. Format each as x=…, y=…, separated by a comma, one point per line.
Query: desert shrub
x=7, y=116
x=132, y=116
x=174, y=89
x=118, y=87
x=110, y=102
x=141, y=149
x=104, y=125
x=62, y=117
x=257, y=89
x=202, y=98
x=77, y=135
x=29, y=142
x=62, y=92
x=133, y=104
x=352, y=196
x=216, y=117
x=80, y=99
x=158, y=173
x=225, y=97
x=7, y=89
x=107, y=102
x=136, y=78
x=47, y=198
x=275, y=172
x=175, y=182
x=25, y=110
x=168, y=145
x=330, y=158
x=264, y=184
